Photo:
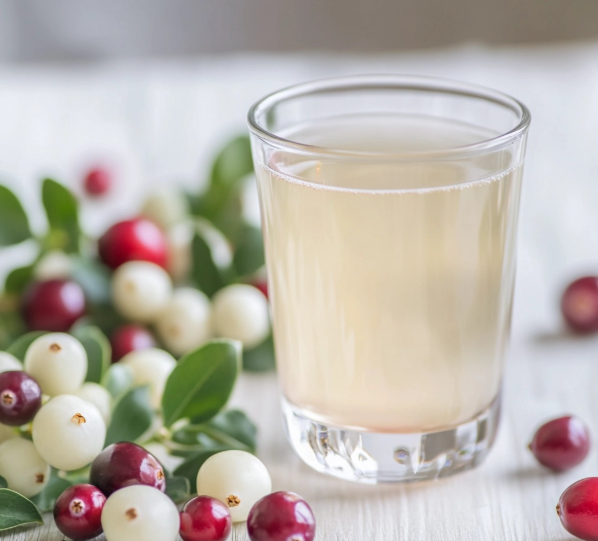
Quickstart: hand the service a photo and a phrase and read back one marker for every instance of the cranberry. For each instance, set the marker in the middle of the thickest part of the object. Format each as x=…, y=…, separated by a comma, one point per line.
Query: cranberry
x=133, y=240
x=578, y=509
x=262, y=285
x=20, y=398
x=125, y=464
x=580, y=305
x=130, y=338
x=53, y=305
x=205, y=519
x=281, y=516
x=78, y=512
x=97, y=181
x=561, y=443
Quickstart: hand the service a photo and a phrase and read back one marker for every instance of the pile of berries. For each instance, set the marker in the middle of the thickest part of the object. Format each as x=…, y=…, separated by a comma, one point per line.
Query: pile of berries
x=142, y=292
x=125, y=500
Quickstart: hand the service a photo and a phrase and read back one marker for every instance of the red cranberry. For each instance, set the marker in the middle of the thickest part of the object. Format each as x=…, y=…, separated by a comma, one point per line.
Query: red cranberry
x=130, y=338
x=580, y=305
x=262, y=285
x=20, y=398
x=78, y=512
x=97, y=182
x=205, y=519
x=133, y=240
x=578, y=509
x=561, y=443
x=53, y=305
x=281, y=516
x=125, y=464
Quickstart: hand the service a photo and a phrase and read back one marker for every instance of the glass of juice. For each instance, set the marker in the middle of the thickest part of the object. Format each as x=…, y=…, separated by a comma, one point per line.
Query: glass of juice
x=389, y=212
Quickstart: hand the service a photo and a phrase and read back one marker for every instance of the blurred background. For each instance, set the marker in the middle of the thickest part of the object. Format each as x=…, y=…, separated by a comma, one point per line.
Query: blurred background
x=153, y=88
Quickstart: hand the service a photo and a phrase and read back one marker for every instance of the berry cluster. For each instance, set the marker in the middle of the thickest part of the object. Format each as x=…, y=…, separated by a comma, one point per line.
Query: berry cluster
x=125, y=500
x=142, y=292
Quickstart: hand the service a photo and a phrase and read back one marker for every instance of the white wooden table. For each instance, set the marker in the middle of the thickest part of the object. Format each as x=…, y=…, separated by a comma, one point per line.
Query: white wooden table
x=161, y=122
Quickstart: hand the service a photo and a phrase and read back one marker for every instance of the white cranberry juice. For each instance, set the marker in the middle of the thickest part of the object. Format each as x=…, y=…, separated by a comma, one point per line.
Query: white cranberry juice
x=391, y=282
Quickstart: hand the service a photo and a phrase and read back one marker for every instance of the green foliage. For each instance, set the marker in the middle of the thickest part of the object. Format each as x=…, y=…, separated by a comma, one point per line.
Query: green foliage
x=98, y=350
x=118, y=379
x=16, y=510
x=191, y=465
x=132, y=416
x=63, y=217
x=205, y=273
x=201, y=384
x=14, y=224
x=261, y=357
x=18, y=279
x=249, y=255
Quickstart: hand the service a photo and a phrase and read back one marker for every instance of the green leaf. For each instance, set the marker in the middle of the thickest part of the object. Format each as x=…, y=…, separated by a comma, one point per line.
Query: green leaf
x=230, y=428
x=178, y=488
x=18, y=279
x=63, y=216
x=118, y=379
x=19, y=347
x=190, y=467
x=46, y=499
x=12, y=326
x=14, y=225
x=132, y=416
x=16, y=510
x=249, y=255
x=261, y=357
x=3, y=483
x=99, y=353
x=94, y=278
x=202, y=382
x=105, y=317
x=206, y=274
x=230, y=166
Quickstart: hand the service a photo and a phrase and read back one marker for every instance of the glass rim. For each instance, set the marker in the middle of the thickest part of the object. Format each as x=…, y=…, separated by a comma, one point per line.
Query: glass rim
x=398, y=82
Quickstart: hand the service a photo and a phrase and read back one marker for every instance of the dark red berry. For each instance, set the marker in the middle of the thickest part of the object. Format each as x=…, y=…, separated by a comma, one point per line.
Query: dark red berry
x=97, y=182
x=53, y=305
x=78, y=512
x=578, y=509
x=130, y=338
x=20, y=398
x=580, y=305
x=133, y=240
x=125, y=464
x=262, y=285
x=205, y=519
x=561, y=444
x=281, y=516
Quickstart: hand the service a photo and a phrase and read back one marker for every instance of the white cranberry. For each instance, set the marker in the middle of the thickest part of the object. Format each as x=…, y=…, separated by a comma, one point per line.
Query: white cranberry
x=140, y=513
x=151, y=367
x=24, y=469
x=165, y=207
x=241, y=312
x=9, y=362
x=58, y=362
x=69, y=432
x=55, y=265
x=236, y=478
x=140, y=290
x=184, y=324
x=99, y=397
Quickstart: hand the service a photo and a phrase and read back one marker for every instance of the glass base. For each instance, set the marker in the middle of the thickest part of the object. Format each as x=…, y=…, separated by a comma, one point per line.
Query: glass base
x=373, y=457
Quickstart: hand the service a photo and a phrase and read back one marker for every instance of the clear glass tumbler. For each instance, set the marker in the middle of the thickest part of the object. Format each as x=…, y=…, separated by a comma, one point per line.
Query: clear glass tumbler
x=389, y=212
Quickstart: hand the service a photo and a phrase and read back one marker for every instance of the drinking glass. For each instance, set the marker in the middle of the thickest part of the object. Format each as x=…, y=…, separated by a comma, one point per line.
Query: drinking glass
x=389, y=212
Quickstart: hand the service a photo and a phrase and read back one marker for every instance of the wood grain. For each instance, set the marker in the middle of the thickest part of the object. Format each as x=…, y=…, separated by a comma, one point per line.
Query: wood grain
x=509, y=498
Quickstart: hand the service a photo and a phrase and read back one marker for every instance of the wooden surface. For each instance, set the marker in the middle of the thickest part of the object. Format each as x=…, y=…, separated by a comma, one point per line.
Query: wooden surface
x=509, y=498
x=159, y=123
